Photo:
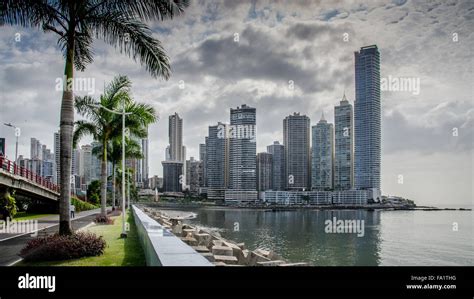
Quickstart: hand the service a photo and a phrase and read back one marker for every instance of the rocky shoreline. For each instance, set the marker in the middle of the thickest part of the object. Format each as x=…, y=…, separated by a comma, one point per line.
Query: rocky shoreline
x=213, y=247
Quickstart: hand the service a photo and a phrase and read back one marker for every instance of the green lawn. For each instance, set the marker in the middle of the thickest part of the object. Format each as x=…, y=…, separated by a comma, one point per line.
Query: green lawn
x=118, y=252
x=29, y=216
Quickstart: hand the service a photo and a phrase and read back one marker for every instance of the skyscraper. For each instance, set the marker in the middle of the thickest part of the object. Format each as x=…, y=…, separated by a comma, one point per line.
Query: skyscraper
x=322, y=155
x=175, y=156
x=175, y=135
x=36, y=150
x=264, y=171
x=278, y=166
x=202, y=151
x=87, y=163
x=243, y=148
x=344, y=146
x=96, y=163
x=296, y=135
x=203, y=158
x=194, y=174
x=367, y=118
x=217, y=161
x=172, y=176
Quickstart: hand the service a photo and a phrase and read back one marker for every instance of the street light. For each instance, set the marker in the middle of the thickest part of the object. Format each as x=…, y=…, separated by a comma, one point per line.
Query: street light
x=123, y=113
x=128, y=189
x=17, y=134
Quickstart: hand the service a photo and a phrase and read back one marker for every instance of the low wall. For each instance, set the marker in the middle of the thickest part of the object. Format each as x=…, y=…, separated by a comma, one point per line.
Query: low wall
x=161, y=247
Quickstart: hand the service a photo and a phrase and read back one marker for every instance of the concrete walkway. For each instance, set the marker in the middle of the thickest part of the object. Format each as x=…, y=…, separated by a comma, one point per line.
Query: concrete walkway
x=11, y=244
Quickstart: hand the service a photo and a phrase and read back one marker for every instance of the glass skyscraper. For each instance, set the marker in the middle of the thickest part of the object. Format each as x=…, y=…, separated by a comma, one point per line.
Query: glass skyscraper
x=217, y=160
x=322, y=155
x=177, y=152
x=264, y=171
x=243, y=148
x=367, y=118
x=296, y=135
x=278, y=172
x=344, y=146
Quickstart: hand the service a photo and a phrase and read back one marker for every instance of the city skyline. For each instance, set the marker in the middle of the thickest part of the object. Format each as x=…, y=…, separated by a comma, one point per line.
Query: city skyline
x=430, y=159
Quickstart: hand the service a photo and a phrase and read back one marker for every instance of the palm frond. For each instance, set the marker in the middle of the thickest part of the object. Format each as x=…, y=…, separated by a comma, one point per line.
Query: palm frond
x=144, y=9
x=116, y=91
x=83, y=128
x=132, y=38
x=32, y=13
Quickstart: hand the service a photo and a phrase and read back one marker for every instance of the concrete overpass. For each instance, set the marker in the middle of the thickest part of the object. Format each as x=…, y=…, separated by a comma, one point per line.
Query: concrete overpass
x=25, y=182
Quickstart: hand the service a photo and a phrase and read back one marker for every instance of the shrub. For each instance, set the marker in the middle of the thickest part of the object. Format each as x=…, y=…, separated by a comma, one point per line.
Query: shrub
x=57, y=247
x=103, y=219
x=82, y=205
x=95, y=199
x=93, y=191
x=8, y=205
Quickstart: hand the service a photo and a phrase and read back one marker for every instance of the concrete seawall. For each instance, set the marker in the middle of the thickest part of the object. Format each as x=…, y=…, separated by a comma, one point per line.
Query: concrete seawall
x=163, y=248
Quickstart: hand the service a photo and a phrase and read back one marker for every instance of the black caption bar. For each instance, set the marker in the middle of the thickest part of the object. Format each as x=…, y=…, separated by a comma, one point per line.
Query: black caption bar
x=289, y=282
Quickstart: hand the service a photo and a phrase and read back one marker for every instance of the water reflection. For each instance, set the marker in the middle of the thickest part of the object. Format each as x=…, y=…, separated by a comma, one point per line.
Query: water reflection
x=299, y=235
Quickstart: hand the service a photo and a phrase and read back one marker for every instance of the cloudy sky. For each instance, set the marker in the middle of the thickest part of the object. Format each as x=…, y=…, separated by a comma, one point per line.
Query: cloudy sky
x=228, y=53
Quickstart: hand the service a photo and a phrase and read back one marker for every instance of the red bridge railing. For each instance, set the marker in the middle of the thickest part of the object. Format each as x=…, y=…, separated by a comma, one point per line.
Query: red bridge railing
x=13, y=168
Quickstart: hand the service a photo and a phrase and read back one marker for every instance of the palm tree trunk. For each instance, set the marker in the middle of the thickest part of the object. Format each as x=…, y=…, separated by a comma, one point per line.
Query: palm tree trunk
x=113, y=186
x=65, y=152
x=103, y=186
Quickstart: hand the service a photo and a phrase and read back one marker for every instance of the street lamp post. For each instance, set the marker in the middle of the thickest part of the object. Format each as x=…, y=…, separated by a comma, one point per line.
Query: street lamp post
x=17, y=134
x=128, y=189
x=123, y=113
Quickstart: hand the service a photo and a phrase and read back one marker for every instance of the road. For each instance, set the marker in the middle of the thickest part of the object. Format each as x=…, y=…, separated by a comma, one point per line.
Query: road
x=11, y=244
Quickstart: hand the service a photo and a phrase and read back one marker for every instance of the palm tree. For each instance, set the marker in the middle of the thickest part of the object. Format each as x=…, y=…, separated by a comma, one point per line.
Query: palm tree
x=104, y=126
x=77, y=22
x=114, y=156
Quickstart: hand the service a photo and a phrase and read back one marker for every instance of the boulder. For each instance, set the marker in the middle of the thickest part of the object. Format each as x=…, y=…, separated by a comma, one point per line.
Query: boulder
x=200, y=249
x=243, y=258
x=271, y=263
x=222, y=250
x=217, y=242
x=263, y=252
x=189, y=240
x=187, y=226
x=187, y=231
x=203, y=239
x=255, y=258
x=177, y=229
x=236, y=251
x=231, y=260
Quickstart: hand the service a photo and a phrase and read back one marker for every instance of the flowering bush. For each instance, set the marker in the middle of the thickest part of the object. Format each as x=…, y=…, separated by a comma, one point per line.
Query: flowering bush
x=57, y=247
